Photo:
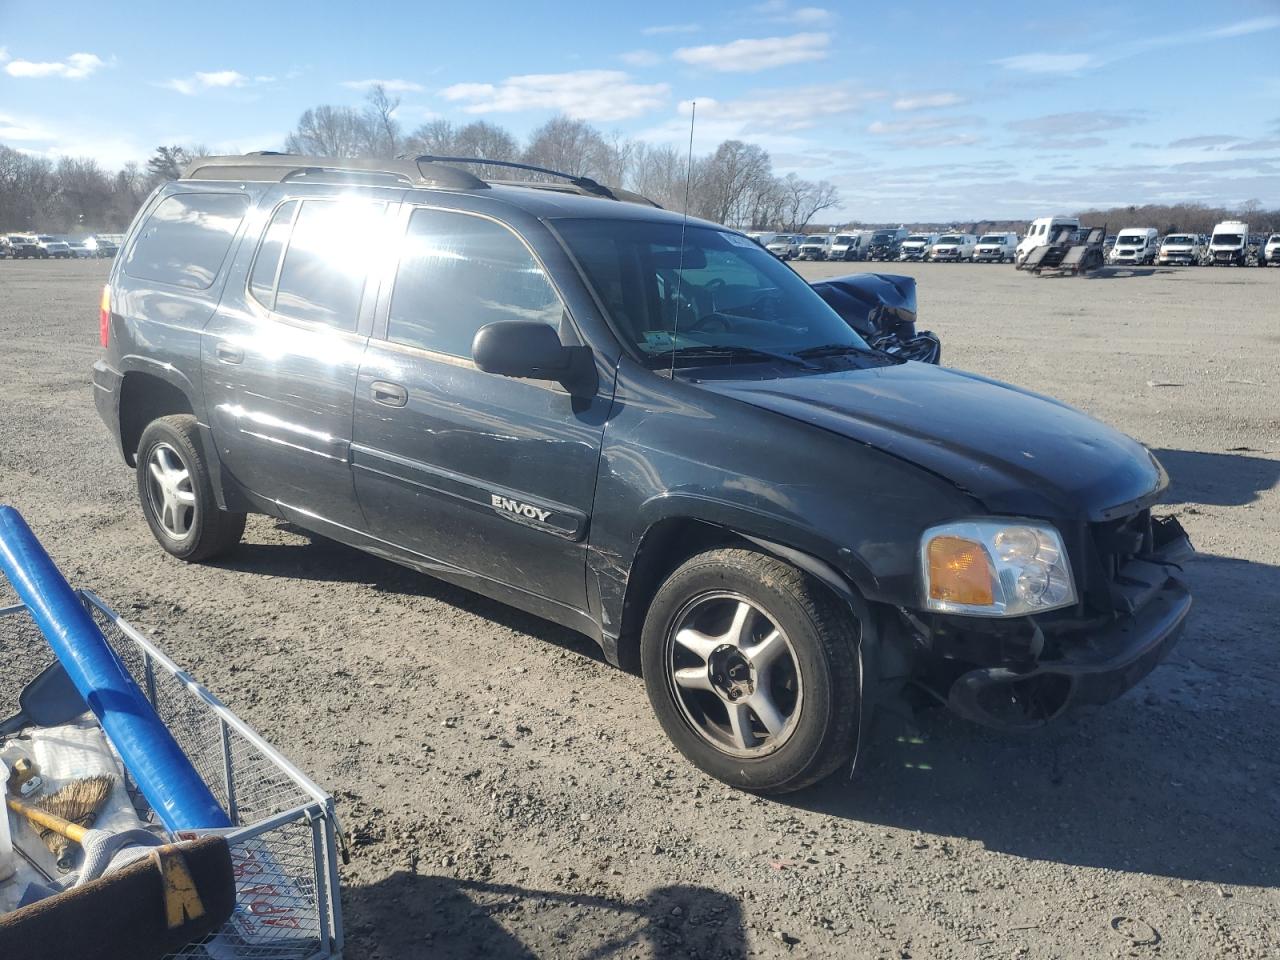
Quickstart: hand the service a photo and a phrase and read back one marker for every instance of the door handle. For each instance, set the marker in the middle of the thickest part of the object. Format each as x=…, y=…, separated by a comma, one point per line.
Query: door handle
x=228, y=353
x=388, y=394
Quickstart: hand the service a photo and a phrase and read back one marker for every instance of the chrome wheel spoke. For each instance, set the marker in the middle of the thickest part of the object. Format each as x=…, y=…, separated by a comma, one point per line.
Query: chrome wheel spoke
x=761, y=703
x=763, y=654
x=740, y=629
x=699, y=644
x=693, y=678
x=740, y=724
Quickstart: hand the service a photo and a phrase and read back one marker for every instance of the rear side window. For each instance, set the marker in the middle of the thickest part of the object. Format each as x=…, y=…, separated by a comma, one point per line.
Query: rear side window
x=458, y=273
x=186, y=239
x=262, y=281
x=326, y=260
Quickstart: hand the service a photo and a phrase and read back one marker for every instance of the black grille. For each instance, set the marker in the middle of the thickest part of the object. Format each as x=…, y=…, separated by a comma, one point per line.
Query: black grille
x=1112, y=544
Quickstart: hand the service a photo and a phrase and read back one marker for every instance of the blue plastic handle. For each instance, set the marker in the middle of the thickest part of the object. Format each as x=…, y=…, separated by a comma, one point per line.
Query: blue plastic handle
x=155, y=761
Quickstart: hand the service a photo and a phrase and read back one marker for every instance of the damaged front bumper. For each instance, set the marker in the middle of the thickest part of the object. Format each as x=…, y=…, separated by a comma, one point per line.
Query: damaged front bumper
x=1030, y=678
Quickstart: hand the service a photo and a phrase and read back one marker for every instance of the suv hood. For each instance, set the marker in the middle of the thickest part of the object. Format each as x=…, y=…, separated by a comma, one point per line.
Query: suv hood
x=1015, y=451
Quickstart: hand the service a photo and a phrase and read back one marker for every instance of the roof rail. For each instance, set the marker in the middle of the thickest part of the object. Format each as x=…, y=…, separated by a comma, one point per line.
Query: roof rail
x=279, y=167
x=583, y=184
x=423, y=171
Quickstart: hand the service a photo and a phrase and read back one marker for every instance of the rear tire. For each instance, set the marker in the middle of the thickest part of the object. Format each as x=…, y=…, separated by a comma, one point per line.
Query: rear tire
x=751, y=667
x=175, y=488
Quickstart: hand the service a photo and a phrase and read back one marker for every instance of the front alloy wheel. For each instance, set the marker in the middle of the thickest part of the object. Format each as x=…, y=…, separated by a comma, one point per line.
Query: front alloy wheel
x=752, y=668
x=734, y=674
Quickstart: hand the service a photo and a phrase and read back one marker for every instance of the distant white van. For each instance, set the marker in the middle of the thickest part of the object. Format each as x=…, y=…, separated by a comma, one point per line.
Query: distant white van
x=847, y=246
x=953, y=247
x=1041, y=233
x=1180, y=248
x=1136, y=245
x=917, y=246
x=996, y=248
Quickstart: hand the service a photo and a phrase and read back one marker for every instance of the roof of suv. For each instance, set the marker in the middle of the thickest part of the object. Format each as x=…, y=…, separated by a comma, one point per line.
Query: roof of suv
x=580, y=197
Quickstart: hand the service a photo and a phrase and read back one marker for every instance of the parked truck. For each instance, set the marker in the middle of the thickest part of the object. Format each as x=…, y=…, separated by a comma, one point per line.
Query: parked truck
x=1180, y=249
x=847, y=246
x=1135, y=245
x=1042, y=232
x=917, y=246
x=886, y=244
x=953, y=247
x=996, y=248
x=1229, y=245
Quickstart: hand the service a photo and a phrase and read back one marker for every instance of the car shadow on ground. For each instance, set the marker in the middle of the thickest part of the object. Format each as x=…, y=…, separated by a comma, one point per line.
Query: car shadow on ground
x=412, y=915
x=310, y=556
x=1228, y=479
x=1176, y=779
x=1124, y=273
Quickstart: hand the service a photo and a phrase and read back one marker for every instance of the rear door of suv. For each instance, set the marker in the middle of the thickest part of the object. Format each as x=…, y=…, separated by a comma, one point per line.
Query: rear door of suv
x=491, y=476
x=280, y=357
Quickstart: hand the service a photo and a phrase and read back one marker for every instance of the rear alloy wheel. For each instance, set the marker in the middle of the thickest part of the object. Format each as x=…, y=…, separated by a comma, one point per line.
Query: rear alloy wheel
x=176, y=491
x=751, y=667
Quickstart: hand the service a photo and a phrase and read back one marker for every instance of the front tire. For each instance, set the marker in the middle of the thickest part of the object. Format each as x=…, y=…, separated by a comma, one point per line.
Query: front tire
x=175, y=488
x=752, y=669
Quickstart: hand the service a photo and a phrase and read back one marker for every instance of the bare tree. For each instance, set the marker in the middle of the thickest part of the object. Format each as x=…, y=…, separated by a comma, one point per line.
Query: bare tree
x=806, y=199
x=729, y=180
x=572, y=146
x=167, y=163
x=382, y=127
x=328, y=131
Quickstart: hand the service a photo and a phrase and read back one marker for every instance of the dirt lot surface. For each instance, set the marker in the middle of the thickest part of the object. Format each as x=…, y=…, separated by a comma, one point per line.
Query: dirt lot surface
x=510, y=795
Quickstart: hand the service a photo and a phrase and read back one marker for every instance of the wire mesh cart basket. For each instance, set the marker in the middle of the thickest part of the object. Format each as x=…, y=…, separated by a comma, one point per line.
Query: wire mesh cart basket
x=284, y=835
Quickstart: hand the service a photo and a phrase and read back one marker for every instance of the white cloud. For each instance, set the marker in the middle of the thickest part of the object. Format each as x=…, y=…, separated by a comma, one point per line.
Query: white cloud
x=641, y=58
x=75, y=67
x=18, y=128
x=4, y=54
x=781, y=11
x=671, y=28
x=928, y=101
x=391, y=86
x=749, y=56
x=896, y=127
x=213, y=80
x=1083, y=121
x=1243, y=28
x=771, y=118
x=603, y=95
x=1049, y=62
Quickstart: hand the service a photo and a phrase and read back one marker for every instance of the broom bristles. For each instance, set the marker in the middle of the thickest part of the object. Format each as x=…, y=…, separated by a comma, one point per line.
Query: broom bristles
x=79, y=802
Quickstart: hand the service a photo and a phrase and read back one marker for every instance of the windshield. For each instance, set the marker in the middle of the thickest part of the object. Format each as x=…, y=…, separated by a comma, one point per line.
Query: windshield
x=815, y=239
x=1275, y=238
x=882, y=238
x=992, y=238
x=844, y=238
x=1180, y=239
x=720, y=292
x=917, y=238
x=1227, y=239
x=951, y=238
x=1131, y=241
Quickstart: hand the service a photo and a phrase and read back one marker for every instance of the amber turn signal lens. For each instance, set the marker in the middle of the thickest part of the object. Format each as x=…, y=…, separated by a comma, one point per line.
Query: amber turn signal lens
x=959, y=572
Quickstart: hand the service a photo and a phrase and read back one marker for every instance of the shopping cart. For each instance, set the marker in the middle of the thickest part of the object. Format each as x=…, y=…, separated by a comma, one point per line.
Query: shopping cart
x=284, y=835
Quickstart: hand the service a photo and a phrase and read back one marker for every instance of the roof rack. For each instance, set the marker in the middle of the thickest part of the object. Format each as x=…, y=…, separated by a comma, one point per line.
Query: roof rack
x=582, y=184
x=421, y=171
x=279, y=167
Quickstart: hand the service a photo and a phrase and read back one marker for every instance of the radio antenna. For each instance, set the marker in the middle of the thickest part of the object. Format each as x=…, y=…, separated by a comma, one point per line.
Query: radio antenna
x=684, y=224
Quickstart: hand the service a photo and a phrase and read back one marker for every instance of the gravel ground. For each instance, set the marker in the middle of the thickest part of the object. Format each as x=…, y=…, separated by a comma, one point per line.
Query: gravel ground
x=511, y=796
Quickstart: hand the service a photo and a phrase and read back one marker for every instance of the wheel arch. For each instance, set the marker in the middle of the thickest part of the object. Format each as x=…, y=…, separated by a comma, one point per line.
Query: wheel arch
x=670, y=541
x=146, y=395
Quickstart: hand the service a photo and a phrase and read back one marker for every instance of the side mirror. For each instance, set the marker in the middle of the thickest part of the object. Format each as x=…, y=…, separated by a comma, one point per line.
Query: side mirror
x=530, y=349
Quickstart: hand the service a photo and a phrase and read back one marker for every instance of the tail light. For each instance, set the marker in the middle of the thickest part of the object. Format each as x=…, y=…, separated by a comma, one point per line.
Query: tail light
x=104, y=315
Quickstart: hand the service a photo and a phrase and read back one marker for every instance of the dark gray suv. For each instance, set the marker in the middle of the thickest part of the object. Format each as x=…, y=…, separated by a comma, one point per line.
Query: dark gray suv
x=638, y=425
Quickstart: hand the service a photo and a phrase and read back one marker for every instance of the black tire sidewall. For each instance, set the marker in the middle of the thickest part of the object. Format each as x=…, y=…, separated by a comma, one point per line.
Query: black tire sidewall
x=830, y=686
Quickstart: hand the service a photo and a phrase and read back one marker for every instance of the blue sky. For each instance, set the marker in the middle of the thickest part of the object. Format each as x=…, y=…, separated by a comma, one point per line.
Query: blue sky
x=916, y=110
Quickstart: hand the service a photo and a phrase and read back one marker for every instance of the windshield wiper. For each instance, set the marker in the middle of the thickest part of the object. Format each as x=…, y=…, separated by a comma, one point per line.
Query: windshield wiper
x=728, y=352
x=835, y=350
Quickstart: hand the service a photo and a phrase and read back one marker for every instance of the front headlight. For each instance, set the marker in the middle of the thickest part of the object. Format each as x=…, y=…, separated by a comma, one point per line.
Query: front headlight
x=995, y=568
